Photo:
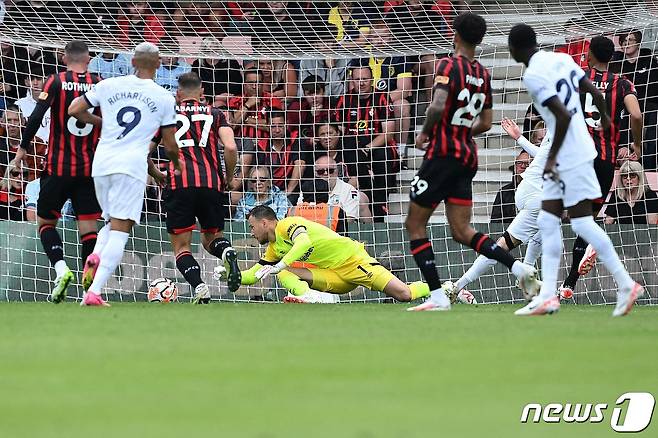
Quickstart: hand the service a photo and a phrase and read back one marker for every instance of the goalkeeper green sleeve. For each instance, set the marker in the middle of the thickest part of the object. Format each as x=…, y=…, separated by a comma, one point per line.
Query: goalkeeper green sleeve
x=249, y=276
x=301, y=244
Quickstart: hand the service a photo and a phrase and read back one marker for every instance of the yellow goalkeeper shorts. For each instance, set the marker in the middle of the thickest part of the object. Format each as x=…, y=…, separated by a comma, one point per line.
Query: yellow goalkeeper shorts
x=358, y=270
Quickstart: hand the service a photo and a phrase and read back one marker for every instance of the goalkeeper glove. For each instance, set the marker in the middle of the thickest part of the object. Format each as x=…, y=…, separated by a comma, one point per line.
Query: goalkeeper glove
x=267, y=270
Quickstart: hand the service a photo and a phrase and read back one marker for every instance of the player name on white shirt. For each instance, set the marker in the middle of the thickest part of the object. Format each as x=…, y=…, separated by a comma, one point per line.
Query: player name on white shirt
x=133, y=110
x=556, y=74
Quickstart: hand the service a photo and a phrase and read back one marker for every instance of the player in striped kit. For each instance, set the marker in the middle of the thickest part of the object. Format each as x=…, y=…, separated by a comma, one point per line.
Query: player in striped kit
x=461, y=108
x=198, y=192
x=620, y=96
x=68, y=164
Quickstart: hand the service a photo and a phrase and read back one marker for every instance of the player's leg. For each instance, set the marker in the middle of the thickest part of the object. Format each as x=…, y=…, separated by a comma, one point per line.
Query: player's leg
x=187, y=265
x=583, y=255
x=459, y=217
x=51, y=200
x=88, y=211
x=121, y=197
x=211, y=210
x=584, y=225
x=312, y=285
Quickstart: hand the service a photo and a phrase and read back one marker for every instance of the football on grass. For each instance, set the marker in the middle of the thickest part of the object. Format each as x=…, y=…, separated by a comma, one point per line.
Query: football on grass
x=162, y=290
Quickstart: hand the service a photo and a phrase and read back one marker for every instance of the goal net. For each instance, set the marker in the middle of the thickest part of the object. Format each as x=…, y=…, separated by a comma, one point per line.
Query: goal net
x=322, y=95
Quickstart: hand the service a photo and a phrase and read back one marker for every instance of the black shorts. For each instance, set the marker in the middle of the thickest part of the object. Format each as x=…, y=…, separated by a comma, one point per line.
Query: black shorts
x=185, y=206
x=605, y=173
x=55, y=190
x=442, y=179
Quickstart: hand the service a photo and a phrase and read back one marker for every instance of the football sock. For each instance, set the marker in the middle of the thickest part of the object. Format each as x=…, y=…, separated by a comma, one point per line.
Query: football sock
x=88, y=243
x=485, y=245
x=592, y=233
x=423, y=254
x=479, y=267
x=110, y=259
x=293, y=283
x=578, y=252
x=52, y=244
x=551, y=237
x=533, y=251
x=101, y=239
x=189, y=267
x=419, y=290
x=218, y=247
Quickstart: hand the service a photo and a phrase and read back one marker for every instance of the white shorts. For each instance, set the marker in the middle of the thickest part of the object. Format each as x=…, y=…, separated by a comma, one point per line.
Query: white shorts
x=573, y=185
x=120, y=196
x=528, y=202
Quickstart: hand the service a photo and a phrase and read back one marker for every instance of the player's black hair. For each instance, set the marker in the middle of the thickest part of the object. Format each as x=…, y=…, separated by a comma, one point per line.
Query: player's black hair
x=522, y=37
x=316, y=190
x=76, y=48
x=470, y=27
x=602, y=48
x=189, y=81
x=262, y=212
x=313, y=84
x=253, y=71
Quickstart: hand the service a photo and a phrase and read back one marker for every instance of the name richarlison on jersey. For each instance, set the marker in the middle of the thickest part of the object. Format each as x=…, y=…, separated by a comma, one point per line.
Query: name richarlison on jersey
x=153, y=107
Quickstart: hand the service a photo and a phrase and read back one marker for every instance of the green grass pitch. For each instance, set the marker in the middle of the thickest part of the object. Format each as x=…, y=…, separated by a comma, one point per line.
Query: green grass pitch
x=283, y=371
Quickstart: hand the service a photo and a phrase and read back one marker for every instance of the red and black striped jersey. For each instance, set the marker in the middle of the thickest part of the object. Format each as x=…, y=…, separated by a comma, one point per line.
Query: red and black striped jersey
x=281, y=162
x=198, y=138
x=72, y=144
x=260, y=112
x=468, y=85
x=615, y=88
x=363, y=117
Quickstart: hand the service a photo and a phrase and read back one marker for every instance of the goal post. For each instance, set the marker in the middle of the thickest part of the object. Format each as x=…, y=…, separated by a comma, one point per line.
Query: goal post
x=348, y=80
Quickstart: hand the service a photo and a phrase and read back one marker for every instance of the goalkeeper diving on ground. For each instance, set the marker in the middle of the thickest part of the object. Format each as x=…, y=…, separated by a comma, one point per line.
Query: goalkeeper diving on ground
x=340, y=264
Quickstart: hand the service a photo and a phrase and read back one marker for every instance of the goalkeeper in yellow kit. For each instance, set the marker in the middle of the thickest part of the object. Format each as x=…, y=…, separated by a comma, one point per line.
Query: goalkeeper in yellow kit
x=340, y=263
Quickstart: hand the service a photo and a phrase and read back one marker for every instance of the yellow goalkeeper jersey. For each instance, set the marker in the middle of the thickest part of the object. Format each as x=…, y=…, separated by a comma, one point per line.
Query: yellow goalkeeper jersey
x=328, y=249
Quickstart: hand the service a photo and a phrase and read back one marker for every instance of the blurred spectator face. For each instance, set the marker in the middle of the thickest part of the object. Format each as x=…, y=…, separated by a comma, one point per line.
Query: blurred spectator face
x=260, y=181
x=362, y=81
x=277, y=8
x=137, y=9
x=277, y=128
x=328, y=137
x=16, y=180
x=538, y=134
x=13, y=124
x=252, y=86
x=631, y=45
x=415, y=5
x=35, y=84
x=521, y=163
x=266, y=66
x=314, y=98
x=380, y=35
x=630, y=180
x=169, y=60
x=327, y=169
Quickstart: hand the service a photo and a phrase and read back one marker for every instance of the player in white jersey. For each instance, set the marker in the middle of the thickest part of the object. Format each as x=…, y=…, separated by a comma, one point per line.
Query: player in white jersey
x=523, y=228
x=133, y=109
x=554, y=81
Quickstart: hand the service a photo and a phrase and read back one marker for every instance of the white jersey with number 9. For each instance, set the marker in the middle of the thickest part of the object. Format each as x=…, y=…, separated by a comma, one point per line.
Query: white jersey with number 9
x=133, y=110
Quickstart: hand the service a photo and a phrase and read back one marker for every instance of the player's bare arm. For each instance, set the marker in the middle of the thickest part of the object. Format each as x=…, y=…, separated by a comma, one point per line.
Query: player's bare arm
x=434, y=114
x=637, y=124
x=483, y=122
x=563, y=119
x=79, y=109
x=31, y=129
x=227, y=138
x=155, y=173
x=170, y=145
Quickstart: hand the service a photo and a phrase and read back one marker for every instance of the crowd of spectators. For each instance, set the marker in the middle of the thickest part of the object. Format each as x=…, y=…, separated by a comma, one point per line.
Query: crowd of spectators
x=343, y=121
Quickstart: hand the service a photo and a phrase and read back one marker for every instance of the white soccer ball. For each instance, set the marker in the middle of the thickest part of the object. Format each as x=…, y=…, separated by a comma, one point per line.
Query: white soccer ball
x=162, y=290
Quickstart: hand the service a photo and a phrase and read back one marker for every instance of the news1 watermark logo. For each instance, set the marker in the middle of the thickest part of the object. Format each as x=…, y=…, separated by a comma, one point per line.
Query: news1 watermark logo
x=632, y=412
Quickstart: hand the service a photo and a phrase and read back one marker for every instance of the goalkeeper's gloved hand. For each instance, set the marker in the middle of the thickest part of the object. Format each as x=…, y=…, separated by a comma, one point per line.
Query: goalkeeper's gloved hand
x=267, y=270
x=220, y=273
